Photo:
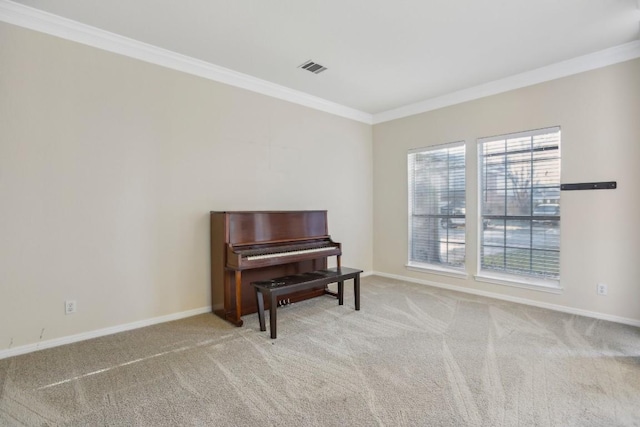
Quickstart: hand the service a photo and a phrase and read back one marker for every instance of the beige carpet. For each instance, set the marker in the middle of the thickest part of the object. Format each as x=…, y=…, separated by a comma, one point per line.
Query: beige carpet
x=413, y=356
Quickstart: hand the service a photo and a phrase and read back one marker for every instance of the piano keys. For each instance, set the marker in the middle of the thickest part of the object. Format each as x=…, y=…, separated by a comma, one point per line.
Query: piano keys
x=287, y=253
x=249, y=246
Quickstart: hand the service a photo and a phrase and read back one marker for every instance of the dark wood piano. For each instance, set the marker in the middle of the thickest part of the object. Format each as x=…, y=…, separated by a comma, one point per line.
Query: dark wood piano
x=260, y=245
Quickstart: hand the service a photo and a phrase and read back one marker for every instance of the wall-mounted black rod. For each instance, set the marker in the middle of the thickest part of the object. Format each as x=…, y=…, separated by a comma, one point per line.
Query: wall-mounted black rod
x=609, y=185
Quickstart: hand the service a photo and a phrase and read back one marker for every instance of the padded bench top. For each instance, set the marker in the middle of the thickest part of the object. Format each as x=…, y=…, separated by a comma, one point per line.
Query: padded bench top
x=320, y=276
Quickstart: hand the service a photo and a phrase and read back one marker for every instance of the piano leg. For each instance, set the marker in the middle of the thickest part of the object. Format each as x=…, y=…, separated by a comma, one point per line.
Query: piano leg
x=238, y=320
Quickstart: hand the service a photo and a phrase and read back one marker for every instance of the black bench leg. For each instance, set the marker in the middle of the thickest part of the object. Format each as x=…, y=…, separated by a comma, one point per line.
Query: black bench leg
x=260, y=301
x=272, y=315
x=356, y=290
x=341, y=293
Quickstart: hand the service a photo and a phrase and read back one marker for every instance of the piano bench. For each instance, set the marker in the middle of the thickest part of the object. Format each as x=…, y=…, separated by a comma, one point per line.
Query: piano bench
x=287, y=284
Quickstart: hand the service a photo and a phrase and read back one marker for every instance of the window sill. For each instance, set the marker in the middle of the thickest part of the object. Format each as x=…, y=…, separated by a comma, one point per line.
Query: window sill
x=428, y=268
x=551, y=286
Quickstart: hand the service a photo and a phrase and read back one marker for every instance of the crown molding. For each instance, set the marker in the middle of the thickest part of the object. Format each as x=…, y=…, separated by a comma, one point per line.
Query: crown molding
x=603, y=58
x=38, y=20
x=48, y=23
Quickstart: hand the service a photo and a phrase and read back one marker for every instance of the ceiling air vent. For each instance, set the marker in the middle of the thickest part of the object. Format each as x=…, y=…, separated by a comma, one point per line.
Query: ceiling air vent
x=314, y=67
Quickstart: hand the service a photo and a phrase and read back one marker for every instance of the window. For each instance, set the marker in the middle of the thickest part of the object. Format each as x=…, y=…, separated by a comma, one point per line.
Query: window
x=437, y=206
x=520, y=205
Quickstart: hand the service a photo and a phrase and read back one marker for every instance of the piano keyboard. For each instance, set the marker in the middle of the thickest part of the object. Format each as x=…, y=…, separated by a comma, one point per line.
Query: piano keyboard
x=289, y=253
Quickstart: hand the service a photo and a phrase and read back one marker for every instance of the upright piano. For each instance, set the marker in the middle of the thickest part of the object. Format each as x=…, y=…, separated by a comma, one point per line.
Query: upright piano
x=248, y=246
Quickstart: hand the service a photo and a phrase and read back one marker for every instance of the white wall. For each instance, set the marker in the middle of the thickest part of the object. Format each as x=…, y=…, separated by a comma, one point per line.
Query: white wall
x=108, y=170
x=599, y=113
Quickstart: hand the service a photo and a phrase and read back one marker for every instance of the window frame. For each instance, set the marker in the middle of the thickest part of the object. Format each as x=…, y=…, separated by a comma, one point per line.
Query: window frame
x=513, y=279
x=442, y=269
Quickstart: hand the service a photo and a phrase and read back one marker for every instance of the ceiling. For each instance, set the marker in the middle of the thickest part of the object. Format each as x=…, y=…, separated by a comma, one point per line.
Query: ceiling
x=380, y=55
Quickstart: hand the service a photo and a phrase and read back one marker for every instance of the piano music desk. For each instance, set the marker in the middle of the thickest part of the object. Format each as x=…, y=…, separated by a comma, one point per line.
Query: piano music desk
x=287, y=284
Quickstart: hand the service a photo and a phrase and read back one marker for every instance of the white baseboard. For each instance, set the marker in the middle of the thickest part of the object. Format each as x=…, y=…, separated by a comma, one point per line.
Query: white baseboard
x=111, y=330
x=181, y=315
x=525, y=301
x=100, y=332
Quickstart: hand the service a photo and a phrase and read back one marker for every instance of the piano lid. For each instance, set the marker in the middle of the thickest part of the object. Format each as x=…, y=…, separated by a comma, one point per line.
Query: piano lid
x=275, y=226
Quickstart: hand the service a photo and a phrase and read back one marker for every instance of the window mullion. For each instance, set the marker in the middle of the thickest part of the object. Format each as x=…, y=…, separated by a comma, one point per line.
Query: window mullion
x=531, y=207
x=504, y=222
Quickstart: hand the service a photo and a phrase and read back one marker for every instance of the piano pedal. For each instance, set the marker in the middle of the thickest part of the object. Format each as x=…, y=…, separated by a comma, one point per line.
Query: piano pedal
x=284, y=302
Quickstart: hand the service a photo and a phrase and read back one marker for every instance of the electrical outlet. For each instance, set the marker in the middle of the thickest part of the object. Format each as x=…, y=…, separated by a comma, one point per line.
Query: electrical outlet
x=602, y=289
x=70, y=307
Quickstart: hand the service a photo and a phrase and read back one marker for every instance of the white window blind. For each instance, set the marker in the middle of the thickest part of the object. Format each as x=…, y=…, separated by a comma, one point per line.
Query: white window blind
x=437, y=206
x=520, y=204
